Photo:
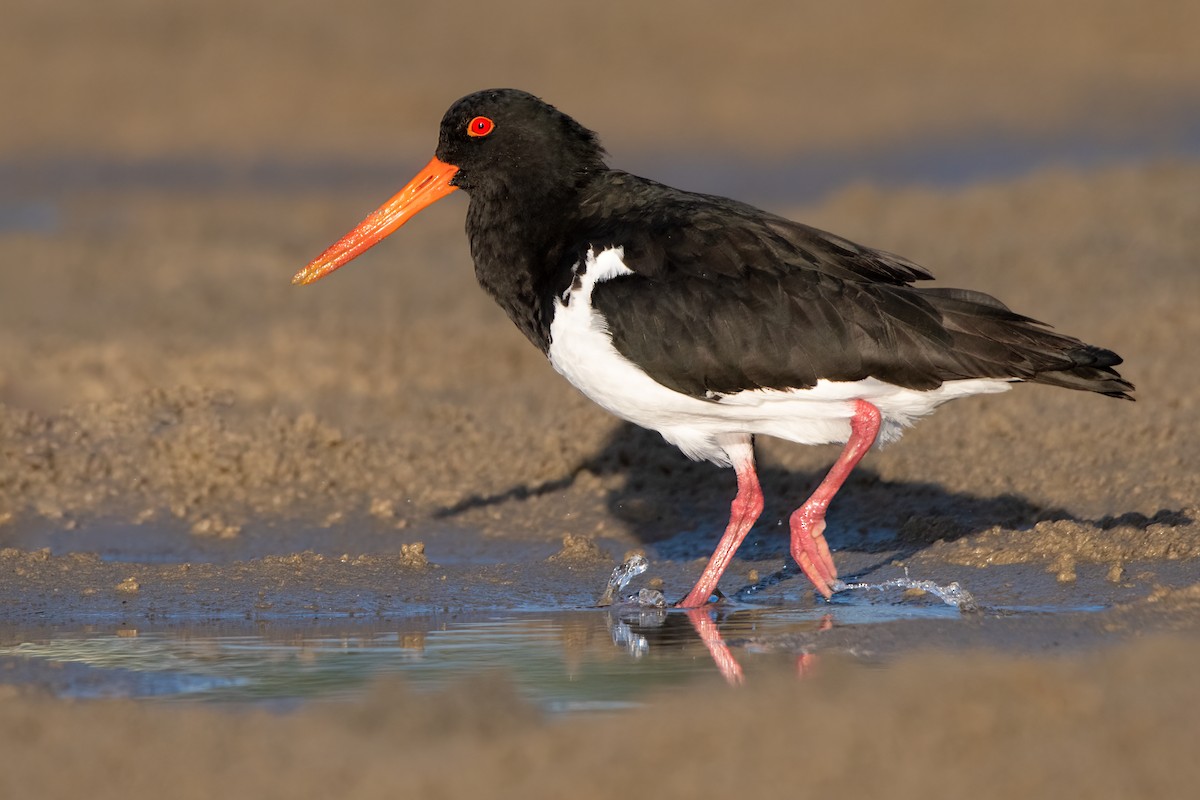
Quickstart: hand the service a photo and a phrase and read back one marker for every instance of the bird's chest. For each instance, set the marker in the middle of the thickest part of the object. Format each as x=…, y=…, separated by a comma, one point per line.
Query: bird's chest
x=511, y=265
x=582, y=350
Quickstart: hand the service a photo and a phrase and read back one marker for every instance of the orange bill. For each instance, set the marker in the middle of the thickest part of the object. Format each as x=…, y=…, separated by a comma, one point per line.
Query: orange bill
x=430, y=185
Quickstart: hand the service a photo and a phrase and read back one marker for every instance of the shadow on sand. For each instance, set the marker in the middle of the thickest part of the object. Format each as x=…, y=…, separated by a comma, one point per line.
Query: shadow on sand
x=681, y=506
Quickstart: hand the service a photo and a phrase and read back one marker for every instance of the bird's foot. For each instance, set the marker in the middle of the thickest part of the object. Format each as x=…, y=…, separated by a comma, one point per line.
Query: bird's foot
x=698, y=597
x=811, y=551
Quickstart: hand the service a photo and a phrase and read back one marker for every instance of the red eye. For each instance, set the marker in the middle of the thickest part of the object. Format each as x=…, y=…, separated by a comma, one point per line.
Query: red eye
x=480, y=126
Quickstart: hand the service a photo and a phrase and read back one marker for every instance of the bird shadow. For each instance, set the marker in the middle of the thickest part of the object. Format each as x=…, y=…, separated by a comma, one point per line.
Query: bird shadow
x=680, y=506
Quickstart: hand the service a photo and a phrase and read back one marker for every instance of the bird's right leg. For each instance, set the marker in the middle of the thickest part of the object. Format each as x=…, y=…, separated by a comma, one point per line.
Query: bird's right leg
x=809, y=547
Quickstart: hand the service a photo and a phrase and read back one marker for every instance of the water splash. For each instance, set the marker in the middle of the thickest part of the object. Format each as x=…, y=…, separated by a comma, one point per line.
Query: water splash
x=621, y=576
x=951, y=594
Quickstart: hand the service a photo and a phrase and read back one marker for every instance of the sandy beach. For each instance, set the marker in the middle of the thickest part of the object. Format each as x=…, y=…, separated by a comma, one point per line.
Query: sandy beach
x=186, y=436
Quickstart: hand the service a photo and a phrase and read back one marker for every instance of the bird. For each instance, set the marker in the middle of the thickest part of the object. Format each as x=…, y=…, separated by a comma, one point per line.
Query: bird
x=709, y=320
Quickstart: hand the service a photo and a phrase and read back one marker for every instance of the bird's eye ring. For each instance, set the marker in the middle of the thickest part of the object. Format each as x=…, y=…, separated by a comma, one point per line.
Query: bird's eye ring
x=480, y=126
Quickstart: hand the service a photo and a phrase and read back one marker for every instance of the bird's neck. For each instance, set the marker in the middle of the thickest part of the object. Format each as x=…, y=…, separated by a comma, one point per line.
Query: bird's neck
x=519, y=243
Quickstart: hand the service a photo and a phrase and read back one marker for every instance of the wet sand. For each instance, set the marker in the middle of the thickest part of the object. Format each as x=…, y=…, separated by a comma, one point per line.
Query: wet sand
x=1115, y=725
x=174, y=413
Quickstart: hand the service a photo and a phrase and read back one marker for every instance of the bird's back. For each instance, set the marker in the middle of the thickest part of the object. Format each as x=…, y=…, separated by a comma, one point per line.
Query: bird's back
x=724, y=297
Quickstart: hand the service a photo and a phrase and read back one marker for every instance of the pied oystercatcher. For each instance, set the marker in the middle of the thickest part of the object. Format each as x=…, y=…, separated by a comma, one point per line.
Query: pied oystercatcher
x=709, y=320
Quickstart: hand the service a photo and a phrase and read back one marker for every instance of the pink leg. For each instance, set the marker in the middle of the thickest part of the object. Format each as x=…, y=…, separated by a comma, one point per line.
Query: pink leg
x=707, y=630
x=806, y=663
x=808, y=521
x=744, y=511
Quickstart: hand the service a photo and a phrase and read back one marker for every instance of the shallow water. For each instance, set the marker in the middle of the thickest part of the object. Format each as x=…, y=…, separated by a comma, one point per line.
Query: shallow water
x=597, y=659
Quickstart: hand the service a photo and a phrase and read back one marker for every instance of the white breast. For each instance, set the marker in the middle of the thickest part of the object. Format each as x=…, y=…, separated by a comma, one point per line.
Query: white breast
x=581, y=349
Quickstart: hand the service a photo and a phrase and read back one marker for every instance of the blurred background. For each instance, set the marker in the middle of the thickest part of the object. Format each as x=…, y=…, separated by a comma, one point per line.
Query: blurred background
x=168, y=400
x=367, y=80
x=166, y=167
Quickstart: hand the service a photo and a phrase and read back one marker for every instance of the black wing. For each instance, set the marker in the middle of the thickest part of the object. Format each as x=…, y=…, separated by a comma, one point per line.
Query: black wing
x=726, y=298
x=666, y=231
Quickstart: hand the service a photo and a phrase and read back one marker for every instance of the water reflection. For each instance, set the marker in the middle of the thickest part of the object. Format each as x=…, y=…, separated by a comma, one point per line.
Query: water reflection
x=637, y=630
x=562, y=661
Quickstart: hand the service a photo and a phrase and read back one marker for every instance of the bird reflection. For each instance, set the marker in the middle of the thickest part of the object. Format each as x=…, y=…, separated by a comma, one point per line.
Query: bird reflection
x=640, y=630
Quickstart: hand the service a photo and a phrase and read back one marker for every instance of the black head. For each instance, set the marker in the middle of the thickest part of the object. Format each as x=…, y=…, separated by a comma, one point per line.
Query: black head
x=506, y=138
x=517, y=157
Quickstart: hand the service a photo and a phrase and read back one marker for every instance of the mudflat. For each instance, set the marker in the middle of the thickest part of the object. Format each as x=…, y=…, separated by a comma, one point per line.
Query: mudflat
x=185, y=436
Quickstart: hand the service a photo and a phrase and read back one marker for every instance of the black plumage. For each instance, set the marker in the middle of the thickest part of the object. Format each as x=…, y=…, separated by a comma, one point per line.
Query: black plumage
x=724, y=297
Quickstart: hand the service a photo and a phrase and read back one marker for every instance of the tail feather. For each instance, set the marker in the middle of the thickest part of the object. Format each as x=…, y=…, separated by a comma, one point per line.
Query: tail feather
x=996, y=342
x=1091, y=371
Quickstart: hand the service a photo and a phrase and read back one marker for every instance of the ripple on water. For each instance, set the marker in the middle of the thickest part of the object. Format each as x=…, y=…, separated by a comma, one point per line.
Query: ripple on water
x=563, y=661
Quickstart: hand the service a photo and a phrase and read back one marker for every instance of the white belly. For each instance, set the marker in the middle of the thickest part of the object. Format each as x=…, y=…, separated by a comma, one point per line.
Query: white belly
x=581, y=349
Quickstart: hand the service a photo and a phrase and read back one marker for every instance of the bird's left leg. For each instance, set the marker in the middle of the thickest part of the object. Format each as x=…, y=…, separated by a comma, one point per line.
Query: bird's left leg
x=809, y=547
x=743, y=512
